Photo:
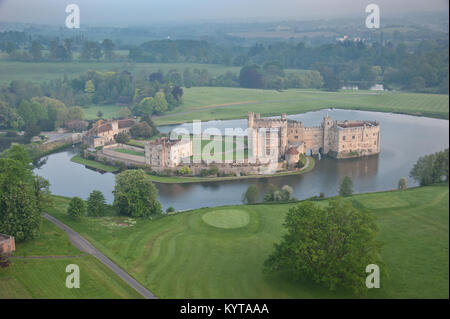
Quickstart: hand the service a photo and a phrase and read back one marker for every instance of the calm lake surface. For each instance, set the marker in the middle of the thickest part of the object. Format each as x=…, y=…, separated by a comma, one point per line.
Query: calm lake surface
x=404, y=139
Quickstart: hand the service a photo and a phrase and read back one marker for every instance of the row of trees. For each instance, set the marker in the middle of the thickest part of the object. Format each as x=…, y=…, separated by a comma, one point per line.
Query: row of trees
x=421, y=67
x=61, y=51
x=134, y=195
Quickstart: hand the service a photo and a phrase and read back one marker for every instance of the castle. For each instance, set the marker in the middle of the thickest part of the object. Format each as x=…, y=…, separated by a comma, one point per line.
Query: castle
x=167, y=153
x=338, y=139
x=103, y=133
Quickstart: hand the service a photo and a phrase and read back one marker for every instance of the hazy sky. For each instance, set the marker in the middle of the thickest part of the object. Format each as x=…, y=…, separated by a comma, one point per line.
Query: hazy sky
x=141, y=12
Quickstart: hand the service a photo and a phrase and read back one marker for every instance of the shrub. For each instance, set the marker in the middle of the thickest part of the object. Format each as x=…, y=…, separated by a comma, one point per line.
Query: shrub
x=170, y=209
x=96, y=204
x=77, y=207
x=251, y=195
x=346, y=187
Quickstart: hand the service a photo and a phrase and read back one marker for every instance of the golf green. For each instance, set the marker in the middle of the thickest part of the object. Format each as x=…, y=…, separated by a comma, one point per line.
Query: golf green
x=227, y=218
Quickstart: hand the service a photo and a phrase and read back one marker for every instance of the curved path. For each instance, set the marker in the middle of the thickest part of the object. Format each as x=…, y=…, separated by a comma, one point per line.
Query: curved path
x=82, y=244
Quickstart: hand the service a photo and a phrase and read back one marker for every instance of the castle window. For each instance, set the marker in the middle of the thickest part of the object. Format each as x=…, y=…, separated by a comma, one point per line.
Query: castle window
x=353, y=137
x=343, y=138
x=296, y=137
x=374, y=142
x=296, y=131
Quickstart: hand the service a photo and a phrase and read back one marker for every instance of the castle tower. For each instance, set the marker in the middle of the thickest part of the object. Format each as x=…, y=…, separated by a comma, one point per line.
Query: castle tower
x=327, y=124
x=252, y=139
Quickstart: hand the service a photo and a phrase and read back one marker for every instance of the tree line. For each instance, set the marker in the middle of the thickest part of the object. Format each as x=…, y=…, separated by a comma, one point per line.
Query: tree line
x=420, y=67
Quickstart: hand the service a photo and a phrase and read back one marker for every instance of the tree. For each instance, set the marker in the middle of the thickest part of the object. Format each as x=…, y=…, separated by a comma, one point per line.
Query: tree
x=77, y=207
x=89, y=87
x=271, y=193
x=251, y=196
x=431, y=169
x=286, y=192
x=23, y=196
x=160, y=103
x=122, y=137
x=185, y=170
x=75, y=113
x=346, y=186
x=402, y=183
x=35, y=51
x=96, y=205
x=251, y=76
x=124, y=112
x=108, y=49
x=99, y=114
x=331, y=245
x=135, y=195
x=141, y=129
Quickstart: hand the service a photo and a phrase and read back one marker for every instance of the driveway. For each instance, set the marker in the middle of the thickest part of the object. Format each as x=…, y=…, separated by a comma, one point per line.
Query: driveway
x=82, y=244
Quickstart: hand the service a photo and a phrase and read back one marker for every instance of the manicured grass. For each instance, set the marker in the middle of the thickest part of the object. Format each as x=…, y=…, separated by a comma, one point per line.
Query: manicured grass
x=213, y=103
x=181, y=256
x=127, y=151
x=94, y=164
x=46, y=277
x=227, y=218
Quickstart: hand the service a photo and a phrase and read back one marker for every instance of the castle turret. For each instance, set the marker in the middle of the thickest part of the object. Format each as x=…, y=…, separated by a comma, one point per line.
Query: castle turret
x=251, y=117
x=327, y=124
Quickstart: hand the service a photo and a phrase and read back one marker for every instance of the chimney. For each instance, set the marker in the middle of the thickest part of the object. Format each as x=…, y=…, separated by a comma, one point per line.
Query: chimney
x=258, y=116
x=283, y=116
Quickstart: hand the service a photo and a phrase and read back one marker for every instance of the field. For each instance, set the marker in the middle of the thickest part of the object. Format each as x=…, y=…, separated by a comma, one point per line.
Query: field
x=127, y=151
x=45, y=277
x=218, y=252
x=45, y=71
x=212, y=103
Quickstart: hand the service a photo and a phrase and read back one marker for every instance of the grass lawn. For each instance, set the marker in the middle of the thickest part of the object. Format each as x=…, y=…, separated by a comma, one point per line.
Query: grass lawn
x=94, y=164
x=184, y=256
x=109, y=111
x=46, y=277
x=213, y=103
x=127, y=151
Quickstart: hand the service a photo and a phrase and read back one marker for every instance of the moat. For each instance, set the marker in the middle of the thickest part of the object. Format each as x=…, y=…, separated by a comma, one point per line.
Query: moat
x=403, y=140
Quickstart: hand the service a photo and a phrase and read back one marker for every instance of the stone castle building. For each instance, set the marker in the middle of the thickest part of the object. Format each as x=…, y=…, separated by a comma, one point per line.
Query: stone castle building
x=338, y=139
x=103, y=133
x=166, y=153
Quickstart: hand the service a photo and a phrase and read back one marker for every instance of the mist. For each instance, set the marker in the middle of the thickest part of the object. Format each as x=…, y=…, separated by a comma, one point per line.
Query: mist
x=145, y=12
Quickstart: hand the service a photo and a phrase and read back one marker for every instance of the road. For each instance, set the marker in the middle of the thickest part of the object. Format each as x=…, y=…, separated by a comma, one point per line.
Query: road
x=82, y=244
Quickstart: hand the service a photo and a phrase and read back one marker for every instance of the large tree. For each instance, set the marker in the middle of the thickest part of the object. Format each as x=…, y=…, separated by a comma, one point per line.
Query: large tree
x=331, y=245
x=431, y=168
x=251, y=196
x=135, y=195
x=23, y=196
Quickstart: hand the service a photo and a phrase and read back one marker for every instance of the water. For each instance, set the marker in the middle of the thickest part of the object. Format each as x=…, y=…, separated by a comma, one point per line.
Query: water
x=404, y=139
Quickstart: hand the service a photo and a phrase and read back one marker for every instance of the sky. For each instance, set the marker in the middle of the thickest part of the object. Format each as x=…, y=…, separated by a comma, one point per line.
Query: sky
x=146, y=12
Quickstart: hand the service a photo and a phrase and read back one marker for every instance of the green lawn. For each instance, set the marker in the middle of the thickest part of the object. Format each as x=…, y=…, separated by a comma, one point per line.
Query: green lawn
x=182, y=256
x=109, y=111
x=213, y=103
x=94, y=164
x=127, y=151
x=46, y=277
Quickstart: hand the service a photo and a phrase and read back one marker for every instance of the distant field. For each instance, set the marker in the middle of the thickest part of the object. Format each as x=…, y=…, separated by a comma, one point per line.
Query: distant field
x=44, y=71
x=212, y=103
x=218, y=252
x=46, y=277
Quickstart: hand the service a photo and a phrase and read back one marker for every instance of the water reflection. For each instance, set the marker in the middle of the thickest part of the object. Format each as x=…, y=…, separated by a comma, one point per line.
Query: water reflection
x=403, y=140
